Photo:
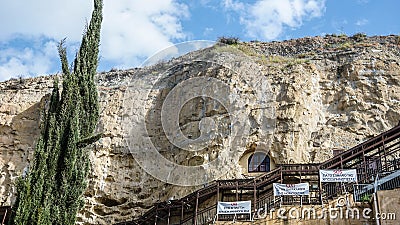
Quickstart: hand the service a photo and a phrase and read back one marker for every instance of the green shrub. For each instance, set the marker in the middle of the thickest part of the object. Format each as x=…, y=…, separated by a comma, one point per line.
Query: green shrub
x=366, y=198
x=345, y=45
x=359, y=37
x=228, y=40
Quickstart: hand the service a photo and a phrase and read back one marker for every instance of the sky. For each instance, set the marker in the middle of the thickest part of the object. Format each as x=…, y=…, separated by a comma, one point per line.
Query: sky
x=134, y=30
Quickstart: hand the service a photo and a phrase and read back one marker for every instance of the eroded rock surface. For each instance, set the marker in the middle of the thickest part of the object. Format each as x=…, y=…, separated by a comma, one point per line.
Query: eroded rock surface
x=297, y=99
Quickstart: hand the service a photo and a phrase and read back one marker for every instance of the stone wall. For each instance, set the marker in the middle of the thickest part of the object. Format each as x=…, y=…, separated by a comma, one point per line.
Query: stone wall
x=389, y=207
x=296, y=100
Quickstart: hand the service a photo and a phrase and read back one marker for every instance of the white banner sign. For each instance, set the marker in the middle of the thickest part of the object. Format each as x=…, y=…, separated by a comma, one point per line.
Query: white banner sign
x=291, y=189
x=346, y=176
x=241, y=207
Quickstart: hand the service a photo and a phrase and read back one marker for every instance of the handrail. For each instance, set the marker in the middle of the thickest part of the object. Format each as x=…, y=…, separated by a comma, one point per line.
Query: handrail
x=395, y=132
x=366, y=174
x=275, y=175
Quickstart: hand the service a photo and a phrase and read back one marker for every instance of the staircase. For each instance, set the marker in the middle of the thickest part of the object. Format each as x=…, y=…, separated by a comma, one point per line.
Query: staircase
x=377, y=155
x=387, y=182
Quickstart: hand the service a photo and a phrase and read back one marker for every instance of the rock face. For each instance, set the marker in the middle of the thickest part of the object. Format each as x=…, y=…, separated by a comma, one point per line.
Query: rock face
x=296, y=100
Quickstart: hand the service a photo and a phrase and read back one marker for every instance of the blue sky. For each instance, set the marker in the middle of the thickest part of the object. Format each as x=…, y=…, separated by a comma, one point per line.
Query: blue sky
x=134, y=30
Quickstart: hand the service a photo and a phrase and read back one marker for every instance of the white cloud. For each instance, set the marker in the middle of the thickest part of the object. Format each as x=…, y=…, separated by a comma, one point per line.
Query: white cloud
x=177, y=50
x=234, y=5
x=52, y=18
x=268, y=18
x=339, y=25
x=27, y=61
x=132, y=30
x=362, y=22
x=362, y=1
x=207, y=31
x=136, y=29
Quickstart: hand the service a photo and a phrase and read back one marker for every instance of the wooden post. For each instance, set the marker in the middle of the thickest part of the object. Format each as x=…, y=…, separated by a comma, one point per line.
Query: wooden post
x=182, y=211
x=196, y=209
x=379, y=166
x=155, y=219
x=217, y=192
x=365, y=165
x=237, y=190
x=255, y=194
x=169, y=215
x=341, y=161
x=384, y=152
x=301, y=200
x=217, y=201
x=320, y=186
x=300, y=176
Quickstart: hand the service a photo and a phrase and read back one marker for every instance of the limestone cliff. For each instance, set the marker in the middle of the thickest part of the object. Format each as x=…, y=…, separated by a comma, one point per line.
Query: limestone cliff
x=297, y=100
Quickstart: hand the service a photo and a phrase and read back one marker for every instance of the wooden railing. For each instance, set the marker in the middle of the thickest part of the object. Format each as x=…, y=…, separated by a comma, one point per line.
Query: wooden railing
x=369, y=158
x=376, y=151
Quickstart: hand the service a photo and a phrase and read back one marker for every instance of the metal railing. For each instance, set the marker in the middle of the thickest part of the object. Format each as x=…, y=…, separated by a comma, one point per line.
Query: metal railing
x=388, y=181
x=376, y=155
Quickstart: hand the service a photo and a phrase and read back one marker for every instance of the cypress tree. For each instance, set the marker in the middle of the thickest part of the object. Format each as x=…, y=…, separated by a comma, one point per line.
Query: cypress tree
x=51, y=192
